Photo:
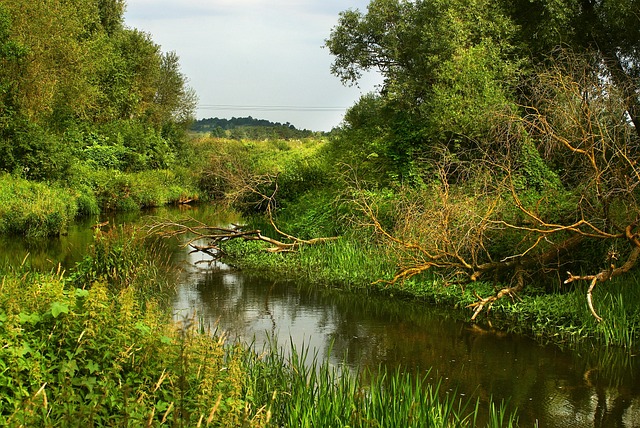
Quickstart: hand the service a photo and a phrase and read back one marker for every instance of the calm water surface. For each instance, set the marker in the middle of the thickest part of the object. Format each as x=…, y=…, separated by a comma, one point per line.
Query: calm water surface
x=595, y=387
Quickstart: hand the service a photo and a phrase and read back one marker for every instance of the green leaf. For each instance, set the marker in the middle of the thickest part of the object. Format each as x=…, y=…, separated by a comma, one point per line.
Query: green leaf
x=58, y=308
x=92, y=366
x=28, y=318
x=81, y=293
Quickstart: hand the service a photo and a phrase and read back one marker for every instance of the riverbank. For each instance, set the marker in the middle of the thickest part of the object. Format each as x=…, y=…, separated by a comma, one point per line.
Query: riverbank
x=36, y=210
x=97, y=345
x=356, y=266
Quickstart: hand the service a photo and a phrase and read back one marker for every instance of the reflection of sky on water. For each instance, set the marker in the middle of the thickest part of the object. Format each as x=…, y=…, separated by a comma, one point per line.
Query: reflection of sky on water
x=254, y=320
x=547, y=385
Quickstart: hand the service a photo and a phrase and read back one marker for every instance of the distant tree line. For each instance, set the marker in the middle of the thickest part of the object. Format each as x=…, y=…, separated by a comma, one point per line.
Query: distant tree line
x=250, y=128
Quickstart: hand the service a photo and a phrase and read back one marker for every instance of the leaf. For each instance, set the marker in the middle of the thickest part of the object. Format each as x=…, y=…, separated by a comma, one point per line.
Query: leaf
x=29, y=318
x=58, y=308
x=81, y=293
x=92, y=366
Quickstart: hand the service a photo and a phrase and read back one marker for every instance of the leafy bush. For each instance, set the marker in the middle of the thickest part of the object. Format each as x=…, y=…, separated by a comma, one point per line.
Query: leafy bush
x=91, y=355
x=119, y=191
x=30, y=151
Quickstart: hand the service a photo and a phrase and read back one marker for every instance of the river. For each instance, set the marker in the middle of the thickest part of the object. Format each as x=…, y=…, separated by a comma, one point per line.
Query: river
x=550, y=387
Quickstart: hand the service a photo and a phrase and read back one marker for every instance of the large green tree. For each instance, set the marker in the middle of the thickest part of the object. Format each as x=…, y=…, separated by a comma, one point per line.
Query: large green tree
x=82, y=78
x=531, y=105
x=448, y=66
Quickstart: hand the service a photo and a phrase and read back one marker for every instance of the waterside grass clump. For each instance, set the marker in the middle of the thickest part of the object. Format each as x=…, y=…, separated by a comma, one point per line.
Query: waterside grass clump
x=114, y=190
x=96, y=348
x=34, y=210
x=304, y=392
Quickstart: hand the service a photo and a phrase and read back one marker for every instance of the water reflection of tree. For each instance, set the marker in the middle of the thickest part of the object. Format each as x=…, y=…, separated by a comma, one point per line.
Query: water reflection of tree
x=544, y=383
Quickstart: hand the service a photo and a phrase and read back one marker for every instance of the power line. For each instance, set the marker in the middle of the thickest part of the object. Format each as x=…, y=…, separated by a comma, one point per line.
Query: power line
x=268, y=108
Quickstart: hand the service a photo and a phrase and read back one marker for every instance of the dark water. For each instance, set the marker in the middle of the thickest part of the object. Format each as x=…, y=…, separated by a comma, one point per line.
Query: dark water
x=593, y=387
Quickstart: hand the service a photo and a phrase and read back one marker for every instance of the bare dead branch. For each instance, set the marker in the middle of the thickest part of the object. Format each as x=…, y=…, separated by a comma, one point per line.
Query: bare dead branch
x=194, y=230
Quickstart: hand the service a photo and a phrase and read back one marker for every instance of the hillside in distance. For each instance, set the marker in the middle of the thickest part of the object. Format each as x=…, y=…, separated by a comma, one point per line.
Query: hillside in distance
x=250, y=128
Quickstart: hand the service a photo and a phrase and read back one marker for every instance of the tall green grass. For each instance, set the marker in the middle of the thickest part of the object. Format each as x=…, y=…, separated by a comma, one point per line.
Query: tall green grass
x=113, y=190
x=343, y=262
x=34, y=210
x=304, y=392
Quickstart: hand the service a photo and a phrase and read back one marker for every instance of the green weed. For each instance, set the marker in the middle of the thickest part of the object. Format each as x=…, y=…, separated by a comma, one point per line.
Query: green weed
x=34, y=210
x=301, y=391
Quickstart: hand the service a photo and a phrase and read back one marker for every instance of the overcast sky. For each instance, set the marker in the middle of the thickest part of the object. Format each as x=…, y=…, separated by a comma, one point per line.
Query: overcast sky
x=259, y=58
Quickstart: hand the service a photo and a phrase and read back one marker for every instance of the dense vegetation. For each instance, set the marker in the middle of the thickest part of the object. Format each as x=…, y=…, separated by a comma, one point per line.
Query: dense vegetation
x=249, y=128
x=496, y=168
x=507, y=132
x=89, y=105
x=96, y=348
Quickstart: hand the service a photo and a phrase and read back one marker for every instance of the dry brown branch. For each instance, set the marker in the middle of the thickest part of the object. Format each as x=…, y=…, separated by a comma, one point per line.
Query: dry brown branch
x=578, y=129
x=194, y=230
x=487, y=302
x=612, y=271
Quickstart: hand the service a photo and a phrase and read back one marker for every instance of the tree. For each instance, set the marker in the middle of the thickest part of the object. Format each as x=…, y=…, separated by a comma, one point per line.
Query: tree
x=71, y=73
x=526, y=166
x=174, y=100
x=608, y=30
x=111, y=15
x=448, y=67
x=11, y=55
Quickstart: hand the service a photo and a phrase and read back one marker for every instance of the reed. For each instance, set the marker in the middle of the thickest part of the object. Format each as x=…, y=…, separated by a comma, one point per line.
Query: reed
x=304, y=392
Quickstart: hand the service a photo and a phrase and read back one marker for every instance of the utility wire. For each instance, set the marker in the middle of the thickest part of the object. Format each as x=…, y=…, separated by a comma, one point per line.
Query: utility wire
x=268, y=108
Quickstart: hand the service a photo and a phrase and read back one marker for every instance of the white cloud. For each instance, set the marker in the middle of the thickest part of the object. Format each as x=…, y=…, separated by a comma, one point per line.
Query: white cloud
x=253, y=53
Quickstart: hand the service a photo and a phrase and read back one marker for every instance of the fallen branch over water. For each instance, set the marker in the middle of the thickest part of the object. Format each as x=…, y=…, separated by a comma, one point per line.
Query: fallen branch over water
x=195, y=230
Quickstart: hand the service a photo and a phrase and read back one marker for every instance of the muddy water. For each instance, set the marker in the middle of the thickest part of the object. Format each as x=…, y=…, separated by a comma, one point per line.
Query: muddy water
x=594, y=387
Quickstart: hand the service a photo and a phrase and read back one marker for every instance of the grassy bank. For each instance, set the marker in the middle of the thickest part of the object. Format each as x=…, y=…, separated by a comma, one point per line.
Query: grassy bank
x=37, y=209
x=34, y=209
x=355, y=265
x=94, y=347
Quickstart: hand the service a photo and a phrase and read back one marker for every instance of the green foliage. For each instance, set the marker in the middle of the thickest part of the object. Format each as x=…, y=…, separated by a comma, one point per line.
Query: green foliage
x=34, y=210
x=305, y=392
x=227, y=168
x=112, y=190
x=76, y=84
x=448, y=67
x=99, y=358
x=31, y=152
